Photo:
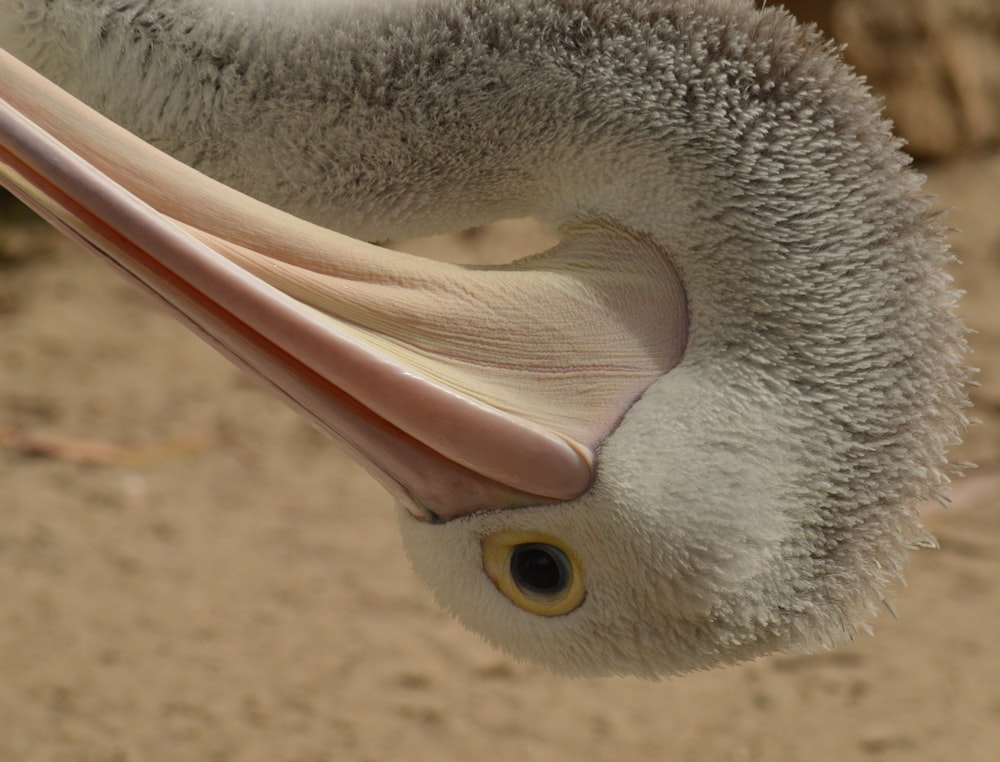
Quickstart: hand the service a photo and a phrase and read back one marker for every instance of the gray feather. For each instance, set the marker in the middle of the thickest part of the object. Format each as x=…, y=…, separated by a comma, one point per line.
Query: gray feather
x=824, y=378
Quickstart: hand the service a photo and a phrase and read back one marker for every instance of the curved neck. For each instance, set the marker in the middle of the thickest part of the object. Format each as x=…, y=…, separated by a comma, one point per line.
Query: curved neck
x=731, y=137
x=413, y=119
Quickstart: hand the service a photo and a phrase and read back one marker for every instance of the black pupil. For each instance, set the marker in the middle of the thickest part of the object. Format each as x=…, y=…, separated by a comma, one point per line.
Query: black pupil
x=540, y=568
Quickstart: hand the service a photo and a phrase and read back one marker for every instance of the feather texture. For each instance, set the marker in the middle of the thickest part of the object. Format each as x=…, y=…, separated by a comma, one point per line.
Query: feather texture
x=761, y=495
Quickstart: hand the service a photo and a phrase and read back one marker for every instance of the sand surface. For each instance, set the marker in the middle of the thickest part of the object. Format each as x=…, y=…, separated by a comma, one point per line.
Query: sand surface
x=188, y=571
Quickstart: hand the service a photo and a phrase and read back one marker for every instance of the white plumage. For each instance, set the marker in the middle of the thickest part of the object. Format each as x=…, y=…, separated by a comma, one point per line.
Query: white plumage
x=758, y=495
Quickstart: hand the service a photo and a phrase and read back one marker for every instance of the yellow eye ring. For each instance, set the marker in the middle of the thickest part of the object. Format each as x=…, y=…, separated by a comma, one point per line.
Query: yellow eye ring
x=537, y=572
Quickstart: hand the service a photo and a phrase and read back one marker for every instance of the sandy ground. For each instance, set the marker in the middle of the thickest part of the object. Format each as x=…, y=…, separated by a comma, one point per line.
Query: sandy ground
x=188, y=571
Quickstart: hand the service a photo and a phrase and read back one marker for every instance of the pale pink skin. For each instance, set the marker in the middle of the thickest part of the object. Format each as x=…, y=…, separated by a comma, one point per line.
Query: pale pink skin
x=441, y=453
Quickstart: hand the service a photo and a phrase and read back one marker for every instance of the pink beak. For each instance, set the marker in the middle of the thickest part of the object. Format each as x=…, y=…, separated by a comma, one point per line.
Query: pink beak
x=385, y=351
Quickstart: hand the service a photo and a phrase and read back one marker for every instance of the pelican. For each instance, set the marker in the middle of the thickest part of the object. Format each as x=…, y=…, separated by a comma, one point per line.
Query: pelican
x=694, y=432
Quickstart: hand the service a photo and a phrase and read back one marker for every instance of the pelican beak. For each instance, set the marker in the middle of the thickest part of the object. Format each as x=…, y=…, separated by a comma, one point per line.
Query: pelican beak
x=460, y=389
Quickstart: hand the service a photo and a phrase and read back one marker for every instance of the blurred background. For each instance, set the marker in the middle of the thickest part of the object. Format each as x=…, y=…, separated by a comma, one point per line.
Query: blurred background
x=188, y=571
x=936, y=62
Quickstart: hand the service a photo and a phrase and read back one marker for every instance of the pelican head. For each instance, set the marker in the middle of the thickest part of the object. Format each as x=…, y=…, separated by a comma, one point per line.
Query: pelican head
x=694, y=432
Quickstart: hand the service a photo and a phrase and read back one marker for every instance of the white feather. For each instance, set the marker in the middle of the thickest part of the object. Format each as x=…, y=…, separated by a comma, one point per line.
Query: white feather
x=758, y=497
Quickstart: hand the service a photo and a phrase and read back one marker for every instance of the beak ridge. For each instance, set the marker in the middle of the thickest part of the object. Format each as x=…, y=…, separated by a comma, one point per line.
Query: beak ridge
x=452, y=421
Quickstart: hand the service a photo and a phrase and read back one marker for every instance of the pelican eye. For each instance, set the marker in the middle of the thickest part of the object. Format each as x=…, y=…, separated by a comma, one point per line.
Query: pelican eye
x=537, y=572
x=540, y=568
